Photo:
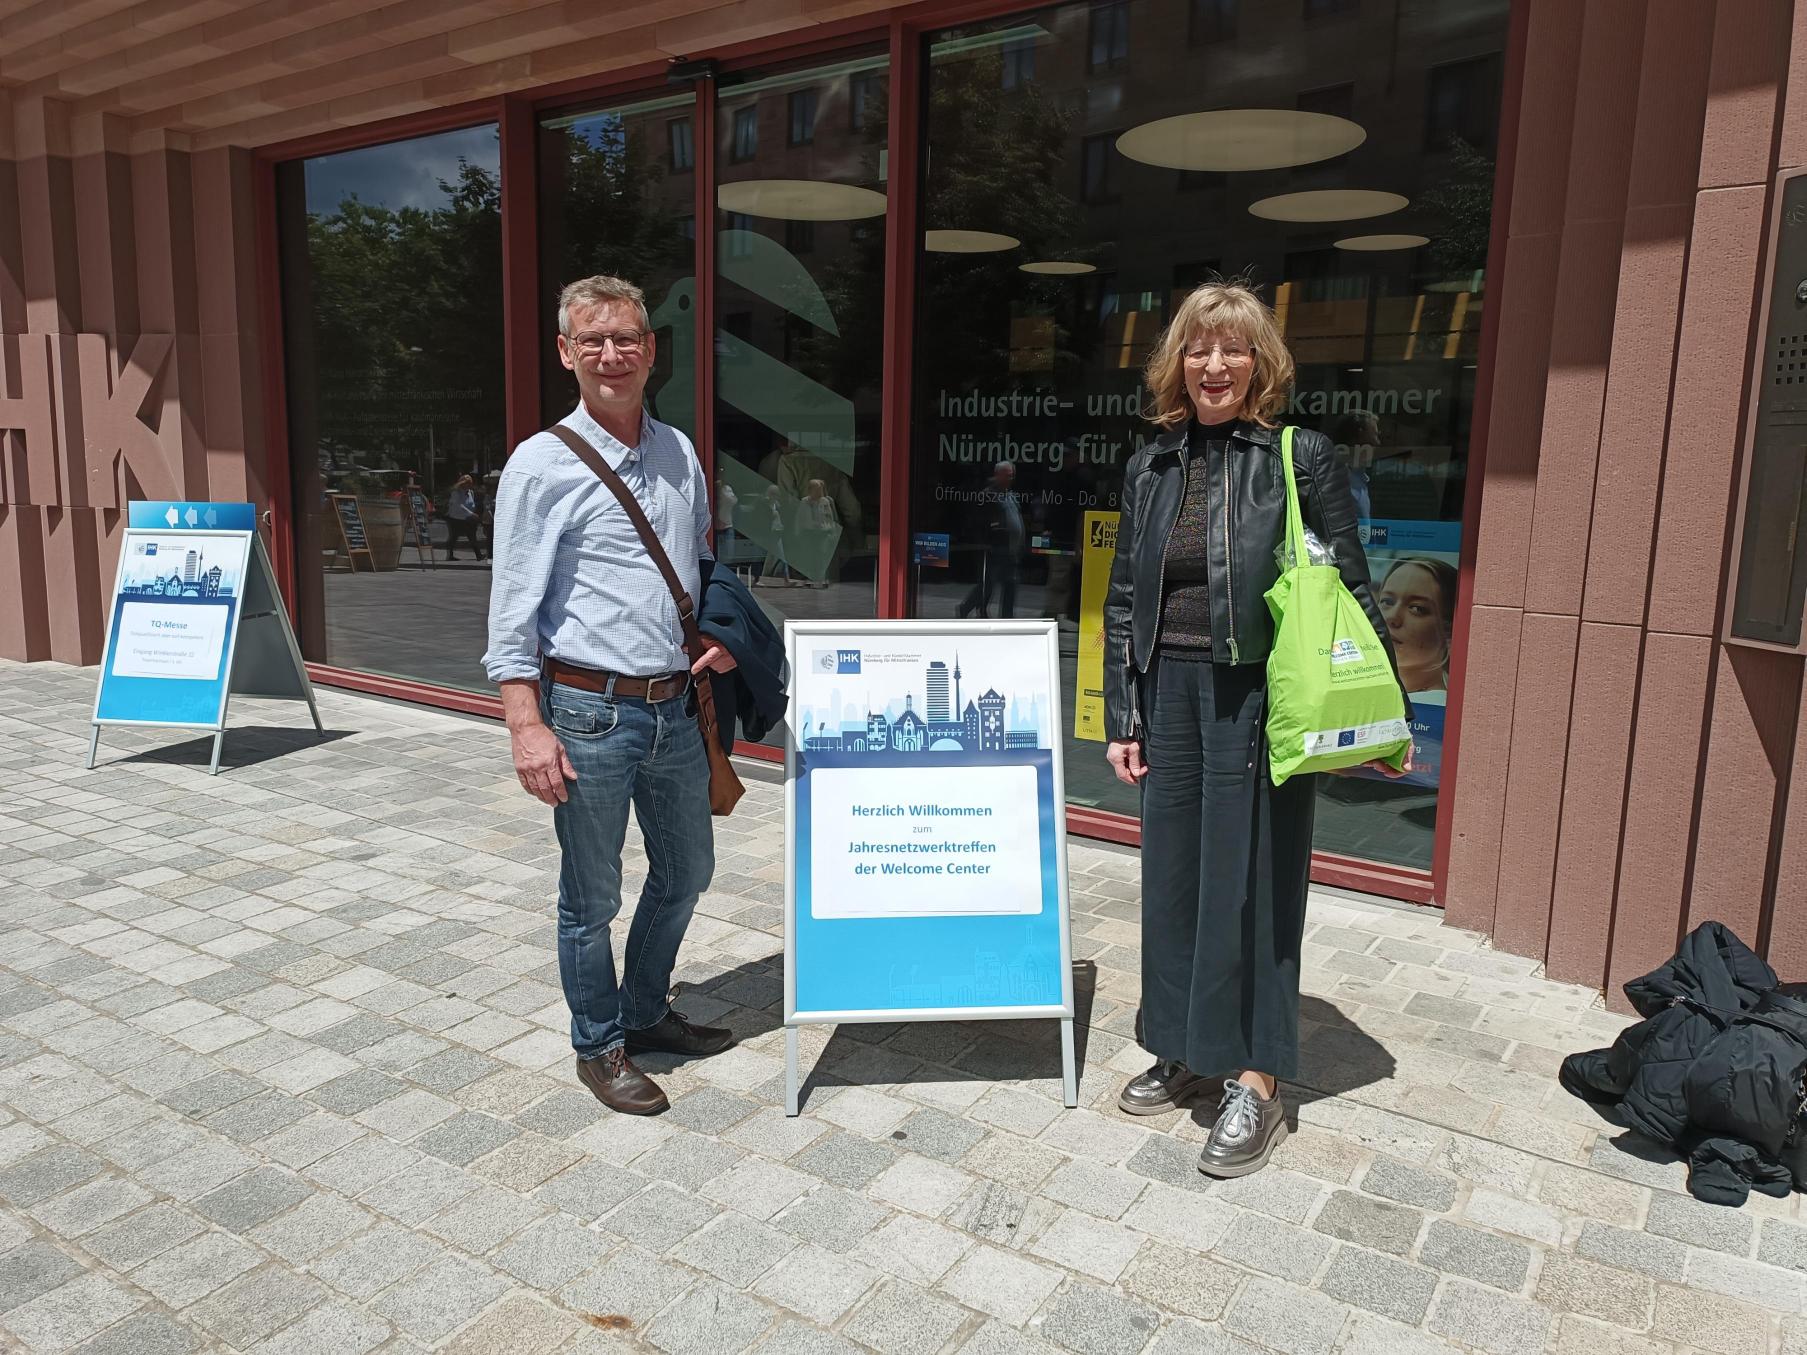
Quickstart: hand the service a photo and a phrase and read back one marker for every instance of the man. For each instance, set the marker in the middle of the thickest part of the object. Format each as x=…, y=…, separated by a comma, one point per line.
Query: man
x=461, y=518
x=586, y=645
x=1002, y=526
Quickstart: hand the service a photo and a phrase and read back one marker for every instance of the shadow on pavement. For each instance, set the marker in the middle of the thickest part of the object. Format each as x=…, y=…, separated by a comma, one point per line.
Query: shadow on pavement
x=1336, y=1056
x=245, y=746
x=916, y=1051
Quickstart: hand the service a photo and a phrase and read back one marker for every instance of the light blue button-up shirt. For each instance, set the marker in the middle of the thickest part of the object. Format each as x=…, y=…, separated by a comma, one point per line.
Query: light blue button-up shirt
x=571, y=579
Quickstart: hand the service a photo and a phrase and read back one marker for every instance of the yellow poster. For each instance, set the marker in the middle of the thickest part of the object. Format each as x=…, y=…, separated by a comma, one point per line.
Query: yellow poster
x=1098, y=547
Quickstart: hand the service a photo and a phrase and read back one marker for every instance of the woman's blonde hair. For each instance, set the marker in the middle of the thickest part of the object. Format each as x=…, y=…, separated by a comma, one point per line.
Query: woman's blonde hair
x=1230, y=308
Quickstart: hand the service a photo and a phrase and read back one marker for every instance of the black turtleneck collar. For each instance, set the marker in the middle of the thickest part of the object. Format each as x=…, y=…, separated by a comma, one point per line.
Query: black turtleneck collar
x=1242, y=430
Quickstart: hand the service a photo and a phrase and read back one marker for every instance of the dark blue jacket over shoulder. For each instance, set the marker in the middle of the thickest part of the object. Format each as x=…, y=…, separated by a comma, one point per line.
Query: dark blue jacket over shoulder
x=754, y=693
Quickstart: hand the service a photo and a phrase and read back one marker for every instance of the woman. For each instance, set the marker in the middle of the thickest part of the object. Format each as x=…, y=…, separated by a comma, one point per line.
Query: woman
x=1225, y=853
x=1418, y=600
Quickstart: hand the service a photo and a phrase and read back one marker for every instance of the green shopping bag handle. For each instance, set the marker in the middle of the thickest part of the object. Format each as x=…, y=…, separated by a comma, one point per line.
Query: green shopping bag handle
x=1295, y=519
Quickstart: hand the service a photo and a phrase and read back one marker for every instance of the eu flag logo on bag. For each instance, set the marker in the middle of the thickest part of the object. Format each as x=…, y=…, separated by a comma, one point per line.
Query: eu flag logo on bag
x=1345, y=738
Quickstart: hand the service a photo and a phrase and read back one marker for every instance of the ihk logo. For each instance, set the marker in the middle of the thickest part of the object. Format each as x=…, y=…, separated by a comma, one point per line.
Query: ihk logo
x=847, y=661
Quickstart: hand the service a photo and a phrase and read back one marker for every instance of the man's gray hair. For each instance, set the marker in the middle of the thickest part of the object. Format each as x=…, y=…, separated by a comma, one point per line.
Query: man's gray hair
x=593, y=291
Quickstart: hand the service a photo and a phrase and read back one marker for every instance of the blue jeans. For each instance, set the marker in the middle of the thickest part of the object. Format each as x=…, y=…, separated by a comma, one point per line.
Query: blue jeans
x=650, y=755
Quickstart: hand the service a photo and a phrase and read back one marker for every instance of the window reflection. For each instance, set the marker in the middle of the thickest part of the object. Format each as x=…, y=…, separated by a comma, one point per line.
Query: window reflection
x=617, y=195
x=392, y=313
x=799, y=335
x=683, y=145
x=1212, y=21
x=1125, y=195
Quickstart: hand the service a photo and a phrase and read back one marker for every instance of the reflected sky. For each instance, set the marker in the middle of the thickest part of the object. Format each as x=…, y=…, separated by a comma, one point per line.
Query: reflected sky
x=401, y=174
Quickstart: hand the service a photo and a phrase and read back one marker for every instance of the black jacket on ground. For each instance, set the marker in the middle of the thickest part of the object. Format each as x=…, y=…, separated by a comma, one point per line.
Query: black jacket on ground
x=754, y=692
x=1713, y=1071
x=1247, y=503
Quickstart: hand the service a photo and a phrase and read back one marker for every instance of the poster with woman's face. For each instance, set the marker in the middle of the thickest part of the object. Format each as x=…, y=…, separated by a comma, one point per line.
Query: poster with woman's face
x=1415, y=588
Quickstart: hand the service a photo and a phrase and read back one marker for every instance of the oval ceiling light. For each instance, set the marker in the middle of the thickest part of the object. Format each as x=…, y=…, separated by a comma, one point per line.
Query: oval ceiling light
x=1058, y=268
x=1328, y=204
x=1231, y=139
x=1370, y=244
x=967, y=242
x=800, y=200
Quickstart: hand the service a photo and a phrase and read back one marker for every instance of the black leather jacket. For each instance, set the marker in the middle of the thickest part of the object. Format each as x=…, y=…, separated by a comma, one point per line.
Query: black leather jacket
x=1248, y=497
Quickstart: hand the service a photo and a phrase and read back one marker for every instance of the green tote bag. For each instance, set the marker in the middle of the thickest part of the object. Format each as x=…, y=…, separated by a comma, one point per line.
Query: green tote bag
x=1332, y=699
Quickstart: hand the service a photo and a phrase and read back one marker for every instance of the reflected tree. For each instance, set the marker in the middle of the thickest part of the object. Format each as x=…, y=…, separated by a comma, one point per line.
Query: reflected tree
x=996, y=164
x=1463, y=198
x=609, y=204
x=408, y=326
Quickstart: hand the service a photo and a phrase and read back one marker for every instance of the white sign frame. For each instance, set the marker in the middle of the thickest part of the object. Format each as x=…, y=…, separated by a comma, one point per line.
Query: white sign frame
x=801, y=636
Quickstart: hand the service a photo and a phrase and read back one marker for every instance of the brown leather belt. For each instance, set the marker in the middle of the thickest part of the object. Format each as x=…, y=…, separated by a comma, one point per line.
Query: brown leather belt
x=595, y=680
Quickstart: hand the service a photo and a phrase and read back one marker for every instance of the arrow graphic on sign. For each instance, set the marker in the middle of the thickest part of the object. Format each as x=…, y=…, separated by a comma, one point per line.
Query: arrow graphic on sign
x=212, y=518
x=193, y=517
x=170, y=517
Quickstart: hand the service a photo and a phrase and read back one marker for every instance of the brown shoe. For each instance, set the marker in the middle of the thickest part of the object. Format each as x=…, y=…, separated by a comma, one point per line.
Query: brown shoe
x=614, y=1081
x=675, y=1035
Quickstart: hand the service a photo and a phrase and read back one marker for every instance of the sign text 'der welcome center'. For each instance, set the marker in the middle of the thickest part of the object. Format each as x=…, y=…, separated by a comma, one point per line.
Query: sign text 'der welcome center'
x=972, y=836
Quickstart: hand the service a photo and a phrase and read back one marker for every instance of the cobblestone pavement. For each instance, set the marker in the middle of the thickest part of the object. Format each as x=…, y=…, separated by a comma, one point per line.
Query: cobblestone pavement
x=283, y=1069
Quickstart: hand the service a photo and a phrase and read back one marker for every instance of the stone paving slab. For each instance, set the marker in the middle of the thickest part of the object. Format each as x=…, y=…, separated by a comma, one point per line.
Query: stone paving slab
x=283, y=1069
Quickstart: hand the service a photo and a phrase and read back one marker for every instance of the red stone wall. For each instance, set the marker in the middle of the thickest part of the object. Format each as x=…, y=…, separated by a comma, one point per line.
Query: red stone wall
x=1623, y=775
x=128, y=355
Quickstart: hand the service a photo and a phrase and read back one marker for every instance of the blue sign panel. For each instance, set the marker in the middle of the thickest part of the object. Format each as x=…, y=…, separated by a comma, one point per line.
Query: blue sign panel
x=191, y=577
x=192, y=517
x=931, y=548
x=911, y=956
x=174, y=617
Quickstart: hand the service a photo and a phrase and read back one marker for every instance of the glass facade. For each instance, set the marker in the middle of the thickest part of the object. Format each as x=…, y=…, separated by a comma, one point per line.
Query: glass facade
x=392, y=339
x=799, y=341
x=1083, y=171
x=1080, y=167
x=617, y=194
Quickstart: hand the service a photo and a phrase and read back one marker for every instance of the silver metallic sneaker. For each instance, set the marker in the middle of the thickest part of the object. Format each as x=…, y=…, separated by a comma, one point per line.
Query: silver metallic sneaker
x=1159, y=1090
x=1247, y=1131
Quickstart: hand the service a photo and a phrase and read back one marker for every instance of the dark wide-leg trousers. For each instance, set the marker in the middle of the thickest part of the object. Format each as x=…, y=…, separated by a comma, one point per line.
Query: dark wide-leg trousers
x=1226, y=858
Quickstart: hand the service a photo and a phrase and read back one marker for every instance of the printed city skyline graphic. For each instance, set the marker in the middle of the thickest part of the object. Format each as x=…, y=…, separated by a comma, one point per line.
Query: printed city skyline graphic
x=994, y=981
x=175, y=572
x=947, y=721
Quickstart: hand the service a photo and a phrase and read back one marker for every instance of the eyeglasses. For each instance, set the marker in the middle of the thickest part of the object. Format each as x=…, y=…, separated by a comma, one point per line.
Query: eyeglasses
x=1233, y=353
x=626, y=341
